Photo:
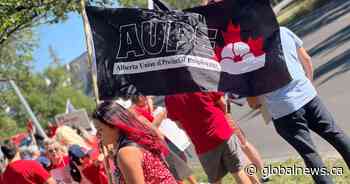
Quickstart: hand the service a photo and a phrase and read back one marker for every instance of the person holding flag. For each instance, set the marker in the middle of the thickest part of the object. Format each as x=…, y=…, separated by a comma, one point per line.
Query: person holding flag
x=216, y=143
x=296, y=109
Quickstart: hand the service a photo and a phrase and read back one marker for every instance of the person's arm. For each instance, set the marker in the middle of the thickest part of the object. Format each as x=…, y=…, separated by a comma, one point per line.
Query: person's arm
x=146, y=122
x=306, y=61
x=40, y=174
x=159, y=118
x=221, y=103
x=50, y=181
x=150, y=103
x=130, y=164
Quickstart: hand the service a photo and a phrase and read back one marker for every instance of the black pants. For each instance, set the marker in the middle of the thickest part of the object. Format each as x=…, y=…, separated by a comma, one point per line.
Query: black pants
x=295, y=129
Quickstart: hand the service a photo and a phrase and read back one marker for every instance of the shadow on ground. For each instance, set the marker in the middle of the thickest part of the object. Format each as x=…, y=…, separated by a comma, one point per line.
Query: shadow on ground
x=333, y=41
x=315, y=21
x=342, y=60
x=320, y=17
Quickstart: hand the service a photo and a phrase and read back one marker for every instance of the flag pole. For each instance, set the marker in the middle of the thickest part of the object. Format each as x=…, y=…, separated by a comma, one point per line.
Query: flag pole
x=28, y=109
x=150, y=4
x=88, y=40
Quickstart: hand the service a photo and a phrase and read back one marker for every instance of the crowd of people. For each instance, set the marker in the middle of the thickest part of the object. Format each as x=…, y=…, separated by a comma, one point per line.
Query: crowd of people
x=128, y=146
x=136, y=151
x=67, y=157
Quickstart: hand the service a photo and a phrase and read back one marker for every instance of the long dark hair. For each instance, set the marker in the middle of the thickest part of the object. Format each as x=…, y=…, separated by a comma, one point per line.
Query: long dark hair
x=113, y=114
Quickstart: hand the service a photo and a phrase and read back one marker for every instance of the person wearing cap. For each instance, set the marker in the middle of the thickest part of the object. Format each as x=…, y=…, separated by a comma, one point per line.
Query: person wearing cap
x=23, y=171
x=138, y=149
x=83, y=168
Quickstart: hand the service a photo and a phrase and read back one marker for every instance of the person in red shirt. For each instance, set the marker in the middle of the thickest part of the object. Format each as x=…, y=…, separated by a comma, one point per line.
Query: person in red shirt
x=23, y=171
x=143, y=109
x=55, y=153
x=201, y=116
x=91, y=170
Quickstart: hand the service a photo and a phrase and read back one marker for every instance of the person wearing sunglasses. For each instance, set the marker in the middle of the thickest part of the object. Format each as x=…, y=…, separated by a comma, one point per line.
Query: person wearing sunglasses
x=22, y=171
x=138, y=149
x=56, y=154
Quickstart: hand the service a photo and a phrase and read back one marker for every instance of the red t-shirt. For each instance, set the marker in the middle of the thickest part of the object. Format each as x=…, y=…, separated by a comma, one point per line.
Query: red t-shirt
x=25, y=172
x=96, y=174
x=145, y=112
x=203, y=121
x=64, y=162
x=1, y=179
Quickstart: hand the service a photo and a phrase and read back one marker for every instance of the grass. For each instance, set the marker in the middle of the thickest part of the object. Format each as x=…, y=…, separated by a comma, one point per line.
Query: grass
x=298, y=9
x=285, y=179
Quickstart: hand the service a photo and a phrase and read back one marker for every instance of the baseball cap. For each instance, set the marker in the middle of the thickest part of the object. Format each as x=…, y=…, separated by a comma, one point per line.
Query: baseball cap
x=78, y=151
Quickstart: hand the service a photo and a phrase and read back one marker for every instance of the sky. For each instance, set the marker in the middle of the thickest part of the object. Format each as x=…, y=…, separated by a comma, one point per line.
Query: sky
x=66, y=38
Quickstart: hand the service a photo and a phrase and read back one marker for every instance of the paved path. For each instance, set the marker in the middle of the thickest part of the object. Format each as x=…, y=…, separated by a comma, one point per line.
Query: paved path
x=326, y=35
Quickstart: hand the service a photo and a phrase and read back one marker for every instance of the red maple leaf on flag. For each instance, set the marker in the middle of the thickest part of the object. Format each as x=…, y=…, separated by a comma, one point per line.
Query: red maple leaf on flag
x=233, y=35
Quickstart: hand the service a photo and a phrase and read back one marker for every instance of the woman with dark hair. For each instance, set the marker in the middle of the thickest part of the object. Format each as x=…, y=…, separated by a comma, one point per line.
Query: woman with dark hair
x=138, y=149
x=145, y=111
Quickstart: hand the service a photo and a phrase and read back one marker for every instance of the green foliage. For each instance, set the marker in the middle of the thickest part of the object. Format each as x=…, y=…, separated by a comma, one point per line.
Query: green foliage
x=16, y=15
x=298, y=9
x=177, y=4
x=337, y=164
x=16, y=55
x=7, y=126
x=46, y=99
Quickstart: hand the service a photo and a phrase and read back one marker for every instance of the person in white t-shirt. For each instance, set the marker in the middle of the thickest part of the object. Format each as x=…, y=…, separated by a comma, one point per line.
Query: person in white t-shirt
x=296, y=109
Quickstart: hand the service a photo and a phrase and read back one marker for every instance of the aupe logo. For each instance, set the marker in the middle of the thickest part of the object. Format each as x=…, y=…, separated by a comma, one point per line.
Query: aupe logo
x=239, y=57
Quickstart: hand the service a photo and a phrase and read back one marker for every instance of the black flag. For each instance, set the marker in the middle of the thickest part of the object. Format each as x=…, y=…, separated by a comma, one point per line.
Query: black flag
x=160, y=5
x=247, y=45
x=221, y=47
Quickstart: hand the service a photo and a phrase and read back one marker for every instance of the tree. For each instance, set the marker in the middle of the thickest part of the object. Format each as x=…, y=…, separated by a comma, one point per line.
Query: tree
x=17, y=41
x=54, y=56
x=8, y=127
x=46, y=99
x=16, y=15
x=16, y=56
x=15, y=63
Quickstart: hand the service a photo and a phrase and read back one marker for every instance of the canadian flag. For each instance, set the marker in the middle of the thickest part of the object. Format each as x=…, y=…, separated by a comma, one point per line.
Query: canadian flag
x=238, y=56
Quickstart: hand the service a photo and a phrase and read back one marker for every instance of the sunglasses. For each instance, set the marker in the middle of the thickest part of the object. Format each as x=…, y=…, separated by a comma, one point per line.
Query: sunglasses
x=54, y=150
